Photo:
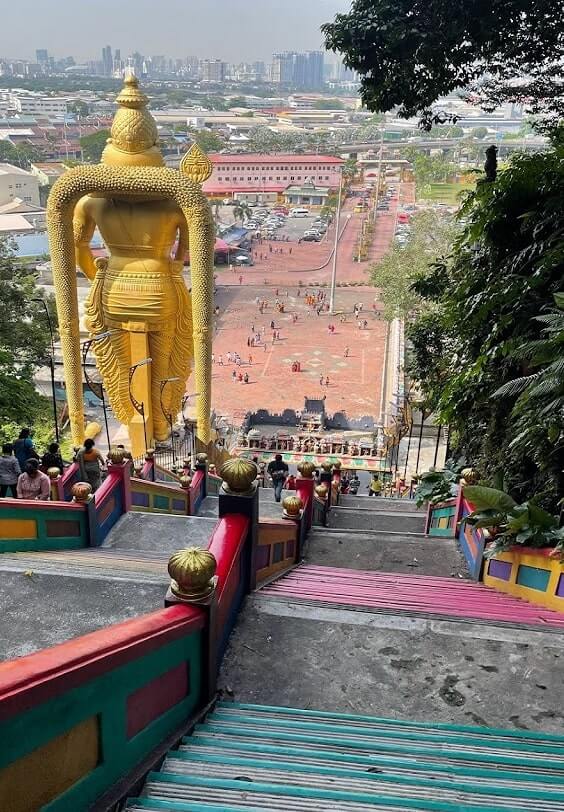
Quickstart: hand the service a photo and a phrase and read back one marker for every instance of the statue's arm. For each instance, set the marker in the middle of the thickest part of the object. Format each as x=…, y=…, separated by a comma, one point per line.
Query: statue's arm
x=182, y=245
x=84, y=226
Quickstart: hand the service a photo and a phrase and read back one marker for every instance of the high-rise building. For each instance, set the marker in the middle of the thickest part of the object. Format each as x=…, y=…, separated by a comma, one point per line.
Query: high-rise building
x=107, y=60
x=314, y=70
x=282, y=71
x=42, y=56
x=118, y=65
x=213, y=70
x=302, y=70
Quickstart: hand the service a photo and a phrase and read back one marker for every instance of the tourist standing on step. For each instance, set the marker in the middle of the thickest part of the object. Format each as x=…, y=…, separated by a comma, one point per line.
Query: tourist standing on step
x=375, y=487
x=90, y=463
x=9, y=472
x=278, y=471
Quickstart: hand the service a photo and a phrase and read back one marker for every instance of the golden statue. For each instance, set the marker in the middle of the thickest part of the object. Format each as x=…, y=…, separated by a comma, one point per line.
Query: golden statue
x=138, y=303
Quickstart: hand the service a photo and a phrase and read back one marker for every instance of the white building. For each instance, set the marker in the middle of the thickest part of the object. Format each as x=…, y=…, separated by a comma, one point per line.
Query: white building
x=16, y=182
x=36, y=104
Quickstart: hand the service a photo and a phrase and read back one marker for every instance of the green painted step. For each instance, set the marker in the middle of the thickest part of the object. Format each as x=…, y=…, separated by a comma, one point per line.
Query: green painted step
x=304, y=798
x=367, y=729
x=279, y=771
x=348, y=719
x=390, y=764
x=250, y=757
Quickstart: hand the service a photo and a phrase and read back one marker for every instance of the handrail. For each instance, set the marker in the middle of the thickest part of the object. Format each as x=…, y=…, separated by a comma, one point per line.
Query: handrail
x=36, y=677
x=227, y=538
x=40, y=504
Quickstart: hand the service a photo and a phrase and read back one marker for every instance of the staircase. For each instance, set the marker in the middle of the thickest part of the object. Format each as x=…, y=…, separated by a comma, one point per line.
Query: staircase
x=409, y=594
x=248, y=757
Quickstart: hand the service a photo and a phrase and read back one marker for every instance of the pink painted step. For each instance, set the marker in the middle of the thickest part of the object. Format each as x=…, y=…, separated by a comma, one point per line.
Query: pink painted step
x=388, y=591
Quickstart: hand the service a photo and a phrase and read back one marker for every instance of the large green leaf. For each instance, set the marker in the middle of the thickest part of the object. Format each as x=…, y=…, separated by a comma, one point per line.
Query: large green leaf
x=483, y=498
x=541, y=518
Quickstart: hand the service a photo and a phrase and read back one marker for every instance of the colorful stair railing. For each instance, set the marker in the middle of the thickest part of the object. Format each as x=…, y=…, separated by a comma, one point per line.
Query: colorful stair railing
x=80, y=716
x=55, y=525
x=447, y=519
x=532, y=574
x=76, y=717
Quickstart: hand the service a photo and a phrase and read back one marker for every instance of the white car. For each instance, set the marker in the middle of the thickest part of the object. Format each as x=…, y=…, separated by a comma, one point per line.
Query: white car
x=299, y=212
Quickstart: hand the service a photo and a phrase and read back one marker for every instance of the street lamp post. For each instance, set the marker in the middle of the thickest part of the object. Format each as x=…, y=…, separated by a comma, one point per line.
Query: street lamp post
x=168, y=415
x=51, y=364
x=335, y=247
x=138, y=405
x=96, y=387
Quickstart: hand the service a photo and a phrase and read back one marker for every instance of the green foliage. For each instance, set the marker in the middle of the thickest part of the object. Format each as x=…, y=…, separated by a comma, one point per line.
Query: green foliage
x=452, y=45
x=431, y=236
x=93, y=145
x=24, y=340
x=479, y=132
x=479, y=323
x=544, y=388
x=510, y=523
x=436, y=486
x=207, y=140
x=429, y=168
x=328, y=104
x=79, y=108
x=21, y=155
x=241, y=211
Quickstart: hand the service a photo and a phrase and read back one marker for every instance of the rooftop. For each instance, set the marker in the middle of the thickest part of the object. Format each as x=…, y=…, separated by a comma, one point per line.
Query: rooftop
x=50, y=167
x=279, y=158
x=10, y=169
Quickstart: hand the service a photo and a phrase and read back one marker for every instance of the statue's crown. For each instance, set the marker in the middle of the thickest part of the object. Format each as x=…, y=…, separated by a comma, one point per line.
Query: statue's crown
x=134, y=132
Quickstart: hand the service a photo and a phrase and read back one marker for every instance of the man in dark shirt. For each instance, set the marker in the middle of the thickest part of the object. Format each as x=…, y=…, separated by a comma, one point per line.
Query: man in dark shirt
x=278, y=471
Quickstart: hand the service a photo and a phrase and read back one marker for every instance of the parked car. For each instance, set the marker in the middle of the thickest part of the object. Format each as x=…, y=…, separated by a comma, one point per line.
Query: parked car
x=311, y=237
x=243, y=259
x=299, y=212
x=320, y=226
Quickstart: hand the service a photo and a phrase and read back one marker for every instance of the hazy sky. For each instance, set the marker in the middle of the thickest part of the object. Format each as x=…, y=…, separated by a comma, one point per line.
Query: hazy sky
x=233, y=30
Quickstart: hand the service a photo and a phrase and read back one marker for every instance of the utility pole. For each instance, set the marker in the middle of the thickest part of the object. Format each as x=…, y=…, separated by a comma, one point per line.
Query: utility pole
x=334, y=271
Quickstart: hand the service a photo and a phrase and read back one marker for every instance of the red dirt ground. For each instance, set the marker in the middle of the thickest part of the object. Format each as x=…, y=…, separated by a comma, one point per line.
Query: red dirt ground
x=355, y=382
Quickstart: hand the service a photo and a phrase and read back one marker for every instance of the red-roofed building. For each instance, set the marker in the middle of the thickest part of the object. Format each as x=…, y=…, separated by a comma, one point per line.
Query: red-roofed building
x=264, y=178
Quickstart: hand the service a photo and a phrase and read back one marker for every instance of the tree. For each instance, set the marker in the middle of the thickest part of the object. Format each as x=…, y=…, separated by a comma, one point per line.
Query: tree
x=431, y=236
x=328, y=104
x=22, y=155
x=480, y=318
x=479, y=132
x=241, y=211
x=93, y=145
x=24, y=340
x=428, y=168
x=79, y=108
x=207, y=140
x=517, y=44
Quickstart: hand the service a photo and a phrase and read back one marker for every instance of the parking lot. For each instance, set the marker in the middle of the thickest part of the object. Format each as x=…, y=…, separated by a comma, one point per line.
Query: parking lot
x=292, y=230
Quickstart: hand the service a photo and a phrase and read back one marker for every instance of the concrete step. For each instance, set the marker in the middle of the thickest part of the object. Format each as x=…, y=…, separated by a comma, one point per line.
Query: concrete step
x=388, y=552
x=380, y=503
x=354, y=519
x=159, y=532
x=209, y=507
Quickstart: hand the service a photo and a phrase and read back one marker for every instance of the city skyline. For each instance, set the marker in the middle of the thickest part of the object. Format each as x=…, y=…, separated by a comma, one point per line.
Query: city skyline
x=182, y=28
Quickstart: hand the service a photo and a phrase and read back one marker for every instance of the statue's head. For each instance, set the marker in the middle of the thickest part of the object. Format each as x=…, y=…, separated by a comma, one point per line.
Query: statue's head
x=134, y=132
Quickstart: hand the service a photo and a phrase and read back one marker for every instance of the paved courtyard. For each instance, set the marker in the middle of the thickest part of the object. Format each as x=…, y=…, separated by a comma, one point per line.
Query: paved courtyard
x=354, y=381
x=352, y=358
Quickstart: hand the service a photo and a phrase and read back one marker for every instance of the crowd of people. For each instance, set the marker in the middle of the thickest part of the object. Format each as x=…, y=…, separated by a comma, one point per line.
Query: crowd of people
x=24, y=472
